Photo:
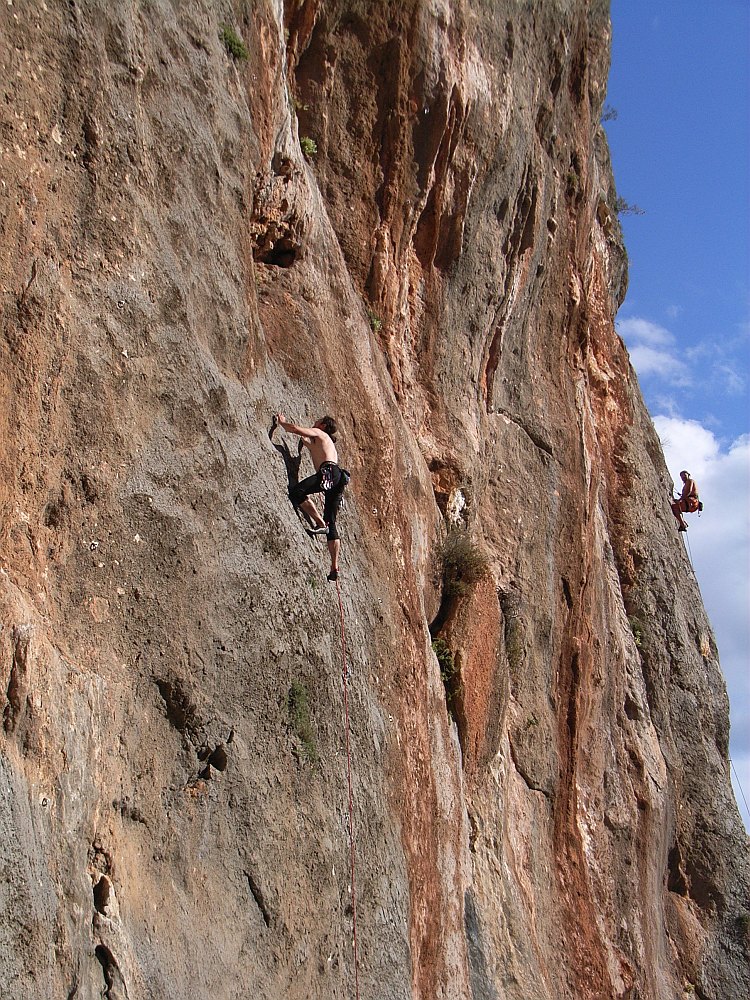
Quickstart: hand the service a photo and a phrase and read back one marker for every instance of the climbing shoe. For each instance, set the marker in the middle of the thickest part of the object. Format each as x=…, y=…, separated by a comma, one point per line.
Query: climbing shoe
x=682, y=527
x=320, y=530
x=333, y=575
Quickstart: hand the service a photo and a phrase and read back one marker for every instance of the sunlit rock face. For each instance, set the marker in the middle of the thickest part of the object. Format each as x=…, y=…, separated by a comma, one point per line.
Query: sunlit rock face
x=539, y=726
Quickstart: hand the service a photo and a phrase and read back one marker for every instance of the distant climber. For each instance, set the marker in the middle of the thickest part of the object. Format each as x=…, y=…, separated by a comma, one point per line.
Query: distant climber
x=329, y=479
x=688, y=501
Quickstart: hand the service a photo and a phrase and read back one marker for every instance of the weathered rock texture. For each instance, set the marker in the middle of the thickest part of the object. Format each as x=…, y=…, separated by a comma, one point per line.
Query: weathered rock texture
x=553, y=821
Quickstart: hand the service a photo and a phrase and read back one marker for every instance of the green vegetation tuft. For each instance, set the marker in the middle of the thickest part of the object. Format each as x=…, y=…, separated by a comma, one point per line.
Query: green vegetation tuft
x=376, y=323
x=449, y=671
x=636, y=627
x=299, y=718
x=233, y=43
x=309, y=146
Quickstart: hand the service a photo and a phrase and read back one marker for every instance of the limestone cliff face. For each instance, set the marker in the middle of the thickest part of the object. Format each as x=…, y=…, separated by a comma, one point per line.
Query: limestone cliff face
x=550, y=818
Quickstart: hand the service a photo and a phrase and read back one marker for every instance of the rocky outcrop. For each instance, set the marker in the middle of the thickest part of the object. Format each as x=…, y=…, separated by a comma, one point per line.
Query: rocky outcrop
x=539, y=725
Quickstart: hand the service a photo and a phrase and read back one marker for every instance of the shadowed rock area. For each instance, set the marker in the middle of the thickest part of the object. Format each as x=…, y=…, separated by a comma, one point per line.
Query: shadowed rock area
x=539, y=724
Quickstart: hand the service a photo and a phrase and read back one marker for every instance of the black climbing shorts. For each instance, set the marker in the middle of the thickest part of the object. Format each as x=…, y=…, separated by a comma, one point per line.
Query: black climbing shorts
x=330, y=480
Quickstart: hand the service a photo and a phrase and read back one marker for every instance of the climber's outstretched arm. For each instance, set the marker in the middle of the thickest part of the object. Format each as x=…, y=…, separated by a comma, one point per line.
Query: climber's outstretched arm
x=304, y=432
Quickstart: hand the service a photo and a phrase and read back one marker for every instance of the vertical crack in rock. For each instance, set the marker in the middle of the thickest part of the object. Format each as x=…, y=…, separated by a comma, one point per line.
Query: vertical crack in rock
x=437, y=237
x=257, y=895
x=19, y=677
x=481, y=982
x=519, y=242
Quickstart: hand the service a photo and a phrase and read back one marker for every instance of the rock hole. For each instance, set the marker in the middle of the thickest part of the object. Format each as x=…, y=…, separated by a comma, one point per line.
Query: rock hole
x=632, y=709
x=102, y=891
x=219, y=758
x=180, y=710
x=282, y=253
x=53, y=517
x=110, y=969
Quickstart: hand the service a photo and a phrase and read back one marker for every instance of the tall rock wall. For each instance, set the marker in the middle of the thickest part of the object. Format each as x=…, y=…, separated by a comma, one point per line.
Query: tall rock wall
x=539, y=726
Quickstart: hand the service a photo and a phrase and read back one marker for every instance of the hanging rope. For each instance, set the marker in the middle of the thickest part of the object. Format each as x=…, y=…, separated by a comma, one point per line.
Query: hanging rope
x=344, y=673
x=737, y=778
x=690, y=551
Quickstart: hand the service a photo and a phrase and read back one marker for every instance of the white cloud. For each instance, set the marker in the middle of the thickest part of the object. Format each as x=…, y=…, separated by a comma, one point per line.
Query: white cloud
x=720, y=368
x=711, y=366
x=650, y=361
x=686, y=444
x=729, y=379
x=652, y=350
x=719, y=542
x=635, y=329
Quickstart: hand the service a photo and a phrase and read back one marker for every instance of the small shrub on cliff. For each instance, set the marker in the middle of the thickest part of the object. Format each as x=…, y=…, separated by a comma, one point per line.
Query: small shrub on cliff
x=449, y=672
x=636, y=627
x=623, y=207
x=299, y=718
x=464, y=563
x=309, y=146
x=376, y=323
x=233, y=43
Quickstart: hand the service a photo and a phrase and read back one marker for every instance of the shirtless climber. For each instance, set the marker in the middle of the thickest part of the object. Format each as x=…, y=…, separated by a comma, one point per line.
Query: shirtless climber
x=329, y=479
x=687, y=502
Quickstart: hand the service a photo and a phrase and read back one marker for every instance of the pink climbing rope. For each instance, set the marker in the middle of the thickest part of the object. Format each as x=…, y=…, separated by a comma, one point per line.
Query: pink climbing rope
x=351, y=796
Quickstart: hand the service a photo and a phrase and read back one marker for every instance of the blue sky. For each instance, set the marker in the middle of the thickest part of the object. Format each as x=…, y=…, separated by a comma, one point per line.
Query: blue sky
x=680, y=84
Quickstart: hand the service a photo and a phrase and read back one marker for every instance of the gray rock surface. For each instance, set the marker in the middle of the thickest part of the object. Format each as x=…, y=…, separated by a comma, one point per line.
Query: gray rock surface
x=544, y=809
